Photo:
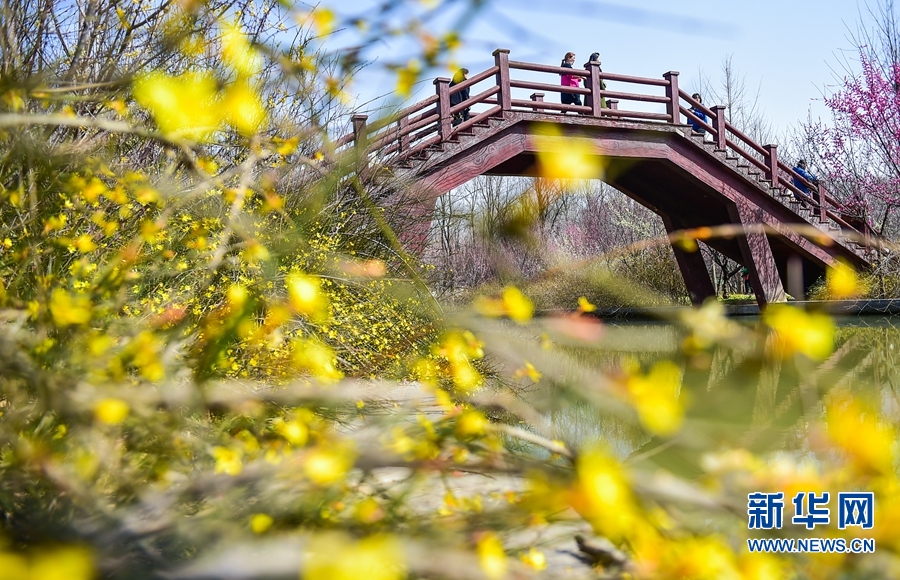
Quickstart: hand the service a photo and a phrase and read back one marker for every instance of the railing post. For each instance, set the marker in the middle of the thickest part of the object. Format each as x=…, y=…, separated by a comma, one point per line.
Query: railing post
x=445, y=119
x=721, y=136
x=823, y=212
x=359, y=142
x=772, y=164
x=537, y=98
x=501, y=60
x=594, y=80
x=359, y=130
x=672, y=106
x=404, y=136
x=613, y=103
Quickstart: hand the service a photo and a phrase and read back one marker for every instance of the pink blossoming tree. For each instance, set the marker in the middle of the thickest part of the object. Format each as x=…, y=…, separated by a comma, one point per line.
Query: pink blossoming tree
x=859, y=153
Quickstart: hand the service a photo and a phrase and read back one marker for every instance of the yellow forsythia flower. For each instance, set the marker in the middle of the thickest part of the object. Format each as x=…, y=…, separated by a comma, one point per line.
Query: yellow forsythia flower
x=14, y=566
x=317, y=358
x=811, y=334
x=491, y=556
x=842, y=281
x=535, y=559
x=856, y=429
x=327, y=465
x=335, y=556
x=323, y=19
x=67, y=309
x=183, y=105
x=465, y=376
x=296, y=432
x=146, y=349
x=228, y=461
x=560, y=156
x=407, y=77
x=68, y=563
x=306, y=296
x=471, y=425
x=260, y=523
x=700, y=558
x=759, y=566
x=243, y=108
x=529, y=371
x=517, y=305
x=656, y=398
x=602, y=494
x=368, y=511
x=85, y=244
x=237, y=51
x=111, y=411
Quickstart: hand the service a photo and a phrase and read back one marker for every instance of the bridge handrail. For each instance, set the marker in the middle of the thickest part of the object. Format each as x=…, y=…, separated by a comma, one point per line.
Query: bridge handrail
x=770, y=165
x=556, y=107
x=429, y=122
x=481, y=97
x=473, y=80
x=691, y=116
x=634, y=80
x=548, y=68
x=548, y=87
x=636, y=97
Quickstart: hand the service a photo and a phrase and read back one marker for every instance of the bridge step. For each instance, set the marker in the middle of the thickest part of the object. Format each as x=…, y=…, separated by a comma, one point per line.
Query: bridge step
x=785, y=197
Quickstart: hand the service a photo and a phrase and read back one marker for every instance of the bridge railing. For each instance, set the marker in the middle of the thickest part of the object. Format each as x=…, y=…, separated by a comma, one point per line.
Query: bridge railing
x=499, y=89
x=765, y=158
x=414, y=129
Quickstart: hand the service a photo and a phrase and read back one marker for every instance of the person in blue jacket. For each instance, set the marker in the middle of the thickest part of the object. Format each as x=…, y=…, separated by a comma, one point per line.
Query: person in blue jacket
x=695, y=126
x=800, y=170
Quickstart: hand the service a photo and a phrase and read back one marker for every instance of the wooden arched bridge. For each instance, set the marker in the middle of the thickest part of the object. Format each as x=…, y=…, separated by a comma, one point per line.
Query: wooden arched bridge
x=785, y=238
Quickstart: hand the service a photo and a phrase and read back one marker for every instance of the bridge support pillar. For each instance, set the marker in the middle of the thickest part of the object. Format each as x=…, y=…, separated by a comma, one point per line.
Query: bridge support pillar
x=693, y=268
x=412, y=214
x=758, y=257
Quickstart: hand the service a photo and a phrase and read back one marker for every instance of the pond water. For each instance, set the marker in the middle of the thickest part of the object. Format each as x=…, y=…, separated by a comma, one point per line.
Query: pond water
x=733, y=395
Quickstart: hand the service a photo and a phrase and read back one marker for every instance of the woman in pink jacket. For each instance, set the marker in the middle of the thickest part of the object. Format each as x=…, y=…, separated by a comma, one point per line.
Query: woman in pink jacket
x=570, y=81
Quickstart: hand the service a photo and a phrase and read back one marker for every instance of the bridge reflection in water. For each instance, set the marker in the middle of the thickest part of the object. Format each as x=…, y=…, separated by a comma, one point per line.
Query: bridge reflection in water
x=733, y=396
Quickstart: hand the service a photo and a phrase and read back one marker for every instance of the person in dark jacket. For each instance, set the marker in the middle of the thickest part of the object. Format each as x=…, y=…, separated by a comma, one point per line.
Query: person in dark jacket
x=459, y=96
x=595, y=56
x=695, y=126
x=569, y=81
x=800, y=170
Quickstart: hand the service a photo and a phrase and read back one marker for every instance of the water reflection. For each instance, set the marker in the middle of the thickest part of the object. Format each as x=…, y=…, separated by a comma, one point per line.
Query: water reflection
x=739, y=395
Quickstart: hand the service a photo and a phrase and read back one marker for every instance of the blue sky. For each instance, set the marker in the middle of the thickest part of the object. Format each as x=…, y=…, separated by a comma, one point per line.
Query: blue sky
x=789, y=50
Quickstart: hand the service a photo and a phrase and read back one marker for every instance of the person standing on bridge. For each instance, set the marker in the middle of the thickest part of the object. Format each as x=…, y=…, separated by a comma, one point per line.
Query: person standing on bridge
x=459, y=96
x=569, y=81
x=595, y=56
x=695, y=126
x=801, y=185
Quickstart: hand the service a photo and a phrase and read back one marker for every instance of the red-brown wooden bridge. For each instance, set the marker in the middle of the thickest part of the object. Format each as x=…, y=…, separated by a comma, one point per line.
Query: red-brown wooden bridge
x=689, y=180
